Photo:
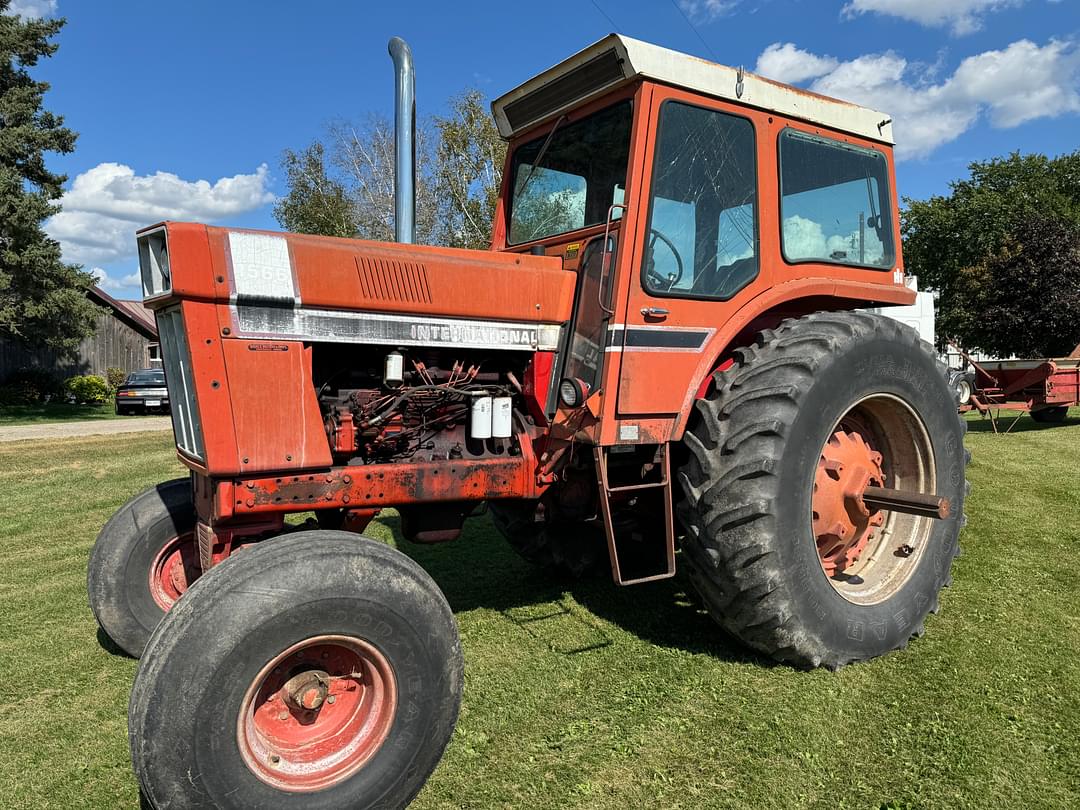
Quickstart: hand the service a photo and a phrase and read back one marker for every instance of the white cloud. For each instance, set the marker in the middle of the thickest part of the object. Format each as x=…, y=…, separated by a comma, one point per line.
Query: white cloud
x=962, y=16
x=786, y=63
x=1019, y=83
x=707, y=10
x=32, y=8
x=803, y=238
x=107, y=204
x=131, y=283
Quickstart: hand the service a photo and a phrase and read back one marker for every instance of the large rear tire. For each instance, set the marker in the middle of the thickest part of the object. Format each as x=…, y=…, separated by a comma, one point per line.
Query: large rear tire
x=781, y=556
x=322, y=670
x=143, y=560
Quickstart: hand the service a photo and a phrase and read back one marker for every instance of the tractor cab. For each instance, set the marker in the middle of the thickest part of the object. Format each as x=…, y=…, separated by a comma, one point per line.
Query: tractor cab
x=679, y=191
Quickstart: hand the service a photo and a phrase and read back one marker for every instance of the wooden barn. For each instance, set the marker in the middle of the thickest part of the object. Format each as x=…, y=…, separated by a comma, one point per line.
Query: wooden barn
x=126, y=337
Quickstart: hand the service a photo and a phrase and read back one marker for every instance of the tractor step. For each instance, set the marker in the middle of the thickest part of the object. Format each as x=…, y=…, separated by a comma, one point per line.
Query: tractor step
x=638, y=519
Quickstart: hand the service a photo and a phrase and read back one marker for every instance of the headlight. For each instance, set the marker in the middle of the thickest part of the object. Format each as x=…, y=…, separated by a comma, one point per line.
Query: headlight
x=573, y=392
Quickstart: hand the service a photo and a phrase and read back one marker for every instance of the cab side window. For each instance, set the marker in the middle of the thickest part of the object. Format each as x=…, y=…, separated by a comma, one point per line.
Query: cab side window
x=702, y=236
x=834, y=202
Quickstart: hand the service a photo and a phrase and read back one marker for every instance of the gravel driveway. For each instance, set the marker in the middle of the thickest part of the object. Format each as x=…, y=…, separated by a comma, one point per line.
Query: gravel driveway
x=87, y=427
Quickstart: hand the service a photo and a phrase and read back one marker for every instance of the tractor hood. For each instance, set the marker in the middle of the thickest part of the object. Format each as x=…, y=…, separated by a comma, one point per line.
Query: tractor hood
x=323, y=289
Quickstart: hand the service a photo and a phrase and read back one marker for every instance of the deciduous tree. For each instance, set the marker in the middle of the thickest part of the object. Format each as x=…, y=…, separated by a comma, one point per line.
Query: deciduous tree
x=343, y=185
x=990, y=225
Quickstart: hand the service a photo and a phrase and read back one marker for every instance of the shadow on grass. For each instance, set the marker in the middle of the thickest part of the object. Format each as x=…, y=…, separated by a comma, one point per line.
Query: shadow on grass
x=109, y=646
x=479, y=570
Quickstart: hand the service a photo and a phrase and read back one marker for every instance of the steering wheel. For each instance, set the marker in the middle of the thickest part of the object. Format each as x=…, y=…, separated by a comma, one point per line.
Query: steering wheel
x=657, y=281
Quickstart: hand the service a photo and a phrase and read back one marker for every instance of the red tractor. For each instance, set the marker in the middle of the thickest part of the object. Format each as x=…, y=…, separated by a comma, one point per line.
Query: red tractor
x=663, y=349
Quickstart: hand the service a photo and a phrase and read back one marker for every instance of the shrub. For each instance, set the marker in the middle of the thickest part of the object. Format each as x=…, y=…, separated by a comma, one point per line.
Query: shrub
x=19, y=393
x=115, y=377
x=87, y=389
x=30, y=386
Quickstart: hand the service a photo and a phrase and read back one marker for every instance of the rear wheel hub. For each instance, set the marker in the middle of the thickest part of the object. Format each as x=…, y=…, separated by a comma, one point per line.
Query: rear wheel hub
x=843, y=524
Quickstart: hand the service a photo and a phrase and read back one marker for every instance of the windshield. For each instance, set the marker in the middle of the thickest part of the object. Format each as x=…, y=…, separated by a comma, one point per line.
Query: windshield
x=142, y=377
x=574, y=181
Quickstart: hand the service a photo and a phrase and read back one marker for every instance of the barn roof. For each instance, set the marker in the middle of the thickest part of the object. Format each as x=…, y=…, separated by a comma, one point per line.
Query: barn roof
x=616, y=60
x=133, y=313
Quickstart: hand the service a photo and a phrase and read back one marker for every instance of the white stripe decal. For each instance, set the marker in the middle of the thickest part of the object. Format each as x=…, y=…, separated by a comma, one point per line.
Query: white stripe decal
x=261, y=268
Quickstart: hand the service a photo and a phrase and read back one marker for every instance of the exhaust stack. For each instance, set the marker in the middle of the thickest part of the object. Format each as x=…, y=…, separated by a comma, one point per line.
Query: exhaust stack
x=404, y=141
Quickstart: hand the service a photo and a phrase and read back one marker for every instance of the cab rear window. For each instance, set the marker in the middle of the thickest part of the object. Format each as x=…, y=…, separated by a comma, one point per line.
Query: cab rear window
x=834, y=203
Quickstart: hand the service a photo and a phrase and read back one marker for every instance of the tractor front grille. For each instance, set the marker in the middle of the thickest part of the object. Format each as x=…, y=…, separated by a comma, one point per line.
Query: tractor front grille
x=187, y=426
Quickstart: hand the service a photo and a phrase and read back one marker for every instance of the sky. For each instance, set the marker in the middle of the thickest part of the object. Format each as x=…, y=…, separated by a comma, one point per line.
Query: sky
x=183, y=109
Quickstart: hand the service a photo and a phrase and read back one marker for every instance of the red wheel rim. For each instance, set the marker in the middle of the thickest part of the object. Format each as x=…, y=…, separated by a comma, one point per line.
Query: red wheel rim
x=317, y=713
x=173, y=570
x=843, y=525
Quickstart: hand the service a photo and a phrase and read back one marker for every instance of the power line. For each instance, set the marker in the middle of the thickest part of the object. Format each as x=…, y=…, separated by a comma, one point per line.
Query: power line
x=693, y=27
x=614, y=27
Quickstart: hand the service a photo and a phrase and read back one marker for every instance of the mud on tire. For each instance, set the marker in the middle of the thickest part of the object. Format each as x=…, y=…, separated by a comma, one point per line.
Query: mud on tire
x=754, y=445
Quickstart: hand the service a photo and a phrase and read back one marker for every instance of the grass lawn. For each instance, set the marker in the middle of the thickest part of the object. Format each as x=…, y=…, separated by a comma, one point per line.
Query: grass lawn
x=591, y=696
x=53, y=412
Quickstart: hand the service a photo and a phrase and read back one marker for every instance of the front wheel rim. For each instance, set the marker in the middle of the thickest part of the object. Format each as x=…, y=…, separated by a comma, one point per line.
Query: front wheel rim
x=173, y=570
x=317, y=713
x=867, y=556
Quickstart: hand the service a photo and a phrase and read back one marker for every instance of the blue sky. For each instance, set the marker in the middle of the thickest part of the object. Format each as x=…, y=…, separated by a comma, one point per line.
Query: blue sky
x=184, y=108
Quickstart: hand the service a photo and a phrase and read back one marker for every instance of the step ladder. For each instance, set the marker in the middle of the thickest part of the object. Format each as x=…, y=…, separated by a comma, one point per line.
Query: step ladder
x=642, y=550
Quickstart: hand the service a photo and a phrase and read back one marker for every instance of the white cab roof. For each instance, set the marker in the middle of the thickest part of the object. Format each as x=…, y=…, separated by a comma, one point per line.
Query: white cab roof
x=617, y=60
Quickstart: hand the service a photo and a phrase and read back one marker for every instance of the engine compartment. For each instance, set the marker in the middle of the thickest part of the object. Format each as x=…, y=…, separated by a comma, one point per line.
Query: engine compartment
x=400, y=404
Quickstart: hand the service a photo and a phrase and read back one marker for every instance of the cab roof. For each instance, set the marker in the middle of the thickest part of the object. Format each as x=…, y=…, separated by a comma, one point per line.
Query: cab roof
x=616, y=60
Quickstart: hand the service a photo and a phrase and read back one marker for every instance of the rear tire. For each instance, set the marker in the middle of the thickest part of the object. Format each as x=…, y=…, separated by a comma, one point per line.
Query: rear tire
x=757, y=442
x=137, y=542
x=210, y=723
x=1051, y=416
x=561, y=547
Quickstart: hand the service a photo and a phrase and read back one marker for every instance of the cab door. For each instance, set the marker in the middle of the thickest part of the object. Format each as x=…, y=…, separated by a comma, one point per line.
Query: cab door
x=697, y=255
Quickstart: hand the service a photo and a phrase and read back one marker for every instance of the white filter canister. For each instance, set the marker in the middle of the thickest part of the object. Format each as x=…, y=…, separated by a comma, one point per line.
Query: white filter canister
x=501, y=412
x=480, y=418
x=392, y=369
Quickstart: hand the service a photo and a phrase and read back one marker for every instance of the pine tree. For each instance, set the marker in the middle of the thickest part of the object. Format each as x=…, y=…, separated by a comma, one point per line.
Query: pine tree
x=42, y=300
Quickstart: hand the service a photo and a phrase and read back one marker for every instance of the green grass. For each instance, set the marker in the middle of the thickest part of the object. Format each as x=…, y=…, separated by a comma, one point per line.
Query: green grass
x=592, y=696
x=53, y=412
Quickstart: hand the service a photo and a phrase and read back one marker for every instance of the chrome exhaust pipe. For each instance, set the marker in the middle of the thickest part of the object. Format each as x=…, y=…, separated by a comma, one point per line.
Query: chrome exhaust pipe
x=404, y=141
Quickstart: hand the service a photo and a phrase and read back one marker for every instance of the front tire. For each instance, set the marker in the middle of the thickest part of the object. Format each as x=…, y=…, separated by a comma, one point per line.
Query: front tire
x=778, y=563
x=143, y=560
x=321, y=670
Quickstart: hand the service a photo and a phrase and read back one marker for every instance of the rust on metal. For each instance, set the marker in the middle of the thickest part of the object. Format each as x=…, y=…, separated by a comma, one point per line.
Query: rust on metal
x=843, y=523
x=910, y=503
x=374, y=486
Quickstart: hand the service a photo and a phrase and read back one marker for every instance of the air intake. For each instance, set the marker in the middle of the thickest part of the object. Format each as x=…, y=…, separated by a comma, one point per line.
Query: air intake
x=388, y=280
